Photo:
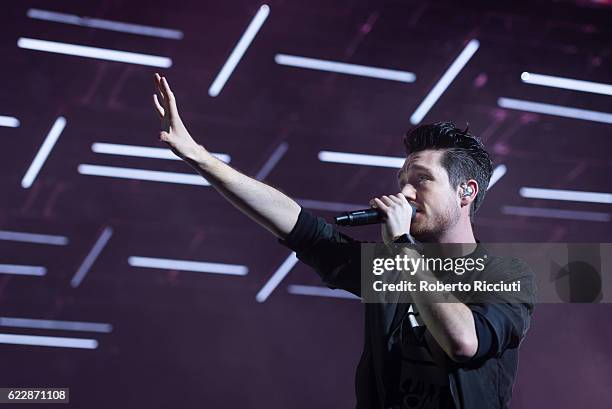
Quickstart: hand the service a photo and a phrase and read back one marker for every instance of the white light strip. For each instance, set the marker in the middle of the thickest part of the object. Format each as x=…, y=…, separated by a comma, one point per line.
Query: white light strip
x=344, y=68
x=9, y=121
x=94, y=52
x=444, y=81
x=272, y=161
x=142, y=174
x=320, y=292
x=330, y=206
x=566, y=83
x=33, y=238
x=37, y=340
x=557, y=110
x=361, y=159
x=105, y=24
x=386, y=161
x=23, y=270
x=498, y=173
x=143, y=151
x=569, y=195
x=55, y=324
x=556, y=213
x=185, y=265
x=239, y=51
x=91, y=257
x=277, y=277
x=43, y=152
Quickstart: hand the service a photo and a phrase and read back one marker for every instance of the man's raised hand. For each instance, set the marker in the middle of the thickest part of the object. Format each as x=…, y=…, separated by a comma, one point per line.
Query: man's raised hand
x=173, y=131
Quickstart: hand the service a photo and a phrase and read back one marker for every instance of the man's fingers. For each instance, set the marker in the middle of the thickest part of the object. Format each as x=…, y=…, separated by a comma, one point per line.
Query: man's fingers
x=380, y=205
x=399, y=199
x=395, y=199
x=158, y=87
x=158, y=107
x=169, y=97
x=387, y=200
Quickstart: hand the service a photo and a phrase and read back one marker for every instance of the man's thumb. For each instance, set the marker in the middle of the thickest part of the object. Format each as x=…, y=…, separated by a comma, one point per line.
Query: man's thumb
x=164, y=136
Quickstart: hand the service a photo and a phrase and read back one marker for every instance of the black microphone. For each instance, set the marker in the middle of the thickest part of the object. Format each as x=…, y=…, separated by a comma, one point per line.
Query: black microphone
x=365, y=216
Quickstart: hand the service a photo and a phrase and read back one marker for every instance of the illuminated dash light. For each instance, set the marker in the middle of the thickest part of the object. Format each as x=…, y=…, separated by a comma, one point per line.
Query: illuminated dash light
x=55, y=324
x=43, y=152
x=361, y=159
x=446, y=79
x=556, y=110
x=187, y=265
x=387, y=162
x=142, y=174
x=344, y=68
x=130, y=28
x=91, y=256
x=272, y=161
x=33, y=238
x=37, y=340
x=566, y=83
x=24, y=270
x=568, y=195
x=94, y=52
x=239, y=50
x=143, y=151
x=277, y=277
x=9, y=121
x=556, y=213
x=498, y=173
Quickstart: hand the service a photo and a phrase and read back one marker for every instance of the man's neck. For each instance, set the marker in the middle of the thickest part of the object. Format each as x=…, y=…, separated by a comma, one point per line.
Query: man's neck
x=457, y=235
x=460, y=233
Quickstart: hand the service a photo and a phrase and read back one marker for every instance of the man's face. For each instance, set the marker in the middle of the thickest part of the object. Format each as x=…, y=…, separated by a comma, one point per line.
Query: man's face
x=425, y=183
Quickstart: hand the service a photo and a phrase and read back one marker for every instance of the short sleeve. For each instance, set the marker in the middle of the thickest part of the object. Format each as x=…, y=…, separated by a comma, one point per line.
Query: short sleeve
x=333, y=255
x=499, y=326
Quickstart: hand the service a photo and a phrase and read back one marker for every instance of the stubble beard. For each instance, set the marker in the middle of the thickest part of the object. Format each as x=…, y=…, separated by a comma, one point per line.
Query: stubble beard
x=435, y=227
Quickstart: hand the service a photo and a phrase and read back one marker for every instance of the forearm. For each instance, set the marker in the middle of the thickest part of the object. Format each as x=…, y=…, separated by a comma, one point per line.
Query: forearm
x=452, y=326
x=266, y=205
x=450, y=323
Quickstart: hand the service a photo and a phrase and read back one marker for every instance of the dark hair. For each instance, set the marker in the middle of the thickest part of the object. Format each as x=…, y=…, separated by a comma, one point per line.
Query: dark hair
x=465, y=156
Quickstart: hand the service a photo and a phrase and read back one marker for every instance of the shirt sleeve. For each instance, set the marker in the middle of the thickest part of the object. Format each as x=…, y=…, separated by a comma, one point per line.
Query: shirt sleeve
x=499, y=326
x=333, y=255
x=503, y=325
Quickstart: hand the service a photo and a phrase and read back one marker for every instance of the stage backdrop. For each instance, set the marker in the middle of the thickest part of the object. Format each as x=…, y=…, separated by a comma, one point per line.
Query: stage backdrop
x=128, y=279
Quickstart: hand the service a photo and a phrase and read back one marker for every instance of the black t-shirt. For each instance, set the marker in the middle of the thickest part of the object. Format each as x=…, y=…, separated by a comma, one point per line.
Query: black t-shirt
x=410, y=372
x=415, y=375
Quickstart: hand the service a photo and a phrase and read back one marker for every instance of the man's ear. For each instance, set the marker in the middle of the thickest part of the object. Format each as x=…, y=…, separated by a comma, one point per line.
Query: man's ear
x=468, y=192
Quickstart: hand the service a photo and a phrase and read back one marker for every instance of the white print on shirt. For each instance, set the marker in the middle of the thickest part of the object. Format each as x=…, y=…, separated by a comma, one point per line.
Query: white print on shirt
x=414, y=317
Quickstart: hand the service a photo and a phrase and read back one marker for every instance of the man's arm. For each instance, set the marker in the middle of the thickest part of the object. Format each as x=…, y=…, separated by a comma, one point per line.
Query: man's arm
x=451, y=324
x=266, y=205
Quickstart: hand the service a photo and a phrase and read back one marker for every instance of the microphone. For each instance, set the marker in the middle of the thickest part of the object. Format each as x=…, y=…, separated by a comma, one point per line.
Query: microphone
x=365, y=216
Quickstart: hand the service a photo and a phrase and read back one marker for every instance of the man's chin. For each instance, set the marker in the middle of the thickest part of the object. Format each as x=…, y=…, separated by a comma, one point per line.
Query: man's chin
x=422, y=233
x=418, y=233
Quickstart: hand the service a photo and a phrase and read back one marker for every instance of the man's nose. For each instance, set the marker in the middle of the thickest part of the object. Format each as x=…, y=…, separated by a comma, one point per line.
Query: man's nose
x=409, y=191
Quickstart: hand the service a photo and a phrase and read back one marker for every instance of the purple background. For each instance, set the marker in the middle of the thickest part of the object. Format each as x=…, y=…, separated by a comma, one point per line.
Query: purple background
x=188, y=339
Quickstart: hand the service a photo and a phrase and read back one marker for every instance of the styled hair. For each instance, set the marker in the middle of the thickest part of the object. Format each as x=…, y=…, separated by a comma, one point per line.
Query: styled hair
x=464, y=158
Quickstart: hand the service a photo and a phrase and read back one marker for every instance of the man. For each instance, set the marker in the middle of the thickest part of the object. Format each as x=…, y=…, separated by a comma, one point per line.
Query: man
x=421, y=355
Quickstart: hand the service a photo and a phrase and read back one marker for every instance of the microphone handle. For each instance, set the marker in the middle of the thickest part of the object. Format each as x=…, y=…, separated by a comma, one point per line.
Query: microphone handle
x=364, y=217
x=360, y=217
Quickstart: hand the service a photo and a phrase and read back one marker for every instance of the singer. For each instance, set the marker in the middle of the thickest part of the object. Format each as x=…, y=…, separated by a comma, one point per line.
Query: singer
x=418, y=355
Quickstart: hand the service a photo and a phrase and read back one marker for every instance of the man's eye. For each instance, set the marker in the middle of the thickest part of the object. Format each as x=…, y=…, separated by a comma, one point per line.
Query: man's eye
x=422, y=178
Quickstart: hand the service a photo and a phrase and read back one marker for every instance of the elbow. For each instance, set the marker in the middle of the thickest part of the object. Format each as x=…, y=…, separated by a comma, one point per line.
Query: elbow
x=464, y=348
